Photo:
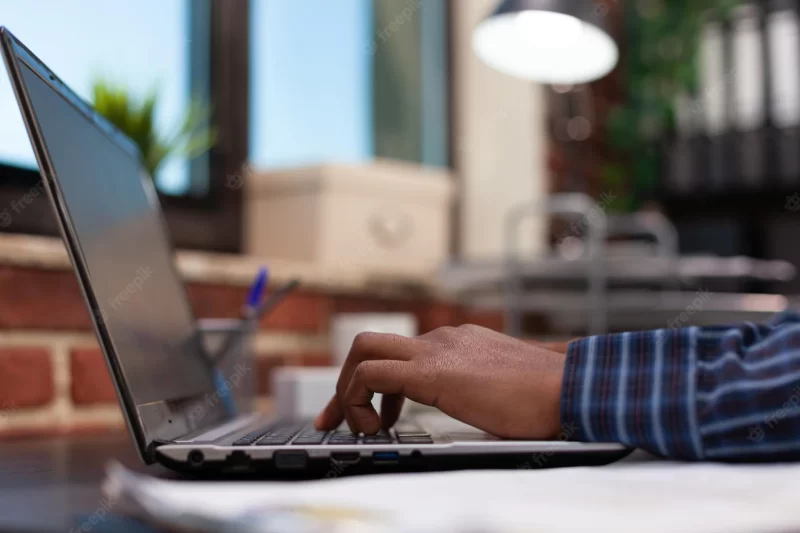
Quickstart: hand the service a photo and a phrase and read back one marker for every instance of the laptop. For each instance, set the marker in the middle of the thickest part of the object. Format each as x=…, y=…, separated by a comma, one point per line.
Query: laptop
x=113, y=228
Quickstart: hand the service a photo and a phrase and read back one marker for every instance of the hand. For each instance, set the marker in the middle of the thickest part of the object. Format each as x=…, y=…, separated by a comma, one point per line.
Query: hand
x=559, y=346
x=496, y=383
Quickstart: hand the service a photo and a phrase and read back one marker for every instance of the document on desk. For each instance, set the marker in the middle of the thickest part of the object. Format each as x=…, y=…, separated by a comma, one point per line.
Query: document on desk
x=649, y=496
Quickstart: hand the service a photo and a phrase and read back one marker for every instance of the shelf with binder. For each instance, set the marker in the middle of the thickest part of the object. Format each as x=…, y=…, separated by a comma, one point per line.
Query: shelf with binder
x=741, y=130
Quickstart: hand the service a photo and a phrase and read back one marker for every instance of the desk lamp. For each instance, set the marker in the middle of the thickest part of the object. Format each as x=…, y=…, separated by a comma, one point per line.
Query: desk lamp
x=558, y=42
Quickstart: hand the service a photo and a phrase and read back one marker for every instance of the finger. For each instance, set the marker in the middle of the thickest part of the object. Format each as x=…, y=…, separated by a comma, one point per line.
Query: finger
x=331, y=416
x=369, y=378
x=373, y=347
x=391, y=406
x=366, y=346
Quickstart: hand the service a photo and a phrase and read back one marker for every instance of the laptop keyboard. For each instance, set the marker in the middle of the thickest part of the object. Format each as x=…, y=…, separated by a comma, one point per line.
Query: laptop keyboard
x=304, y=434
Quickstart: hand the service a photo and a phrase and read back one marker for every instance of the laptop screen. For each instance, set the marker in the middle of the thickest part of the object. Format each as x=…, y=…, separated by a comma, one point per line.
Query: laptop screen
x=117, y=222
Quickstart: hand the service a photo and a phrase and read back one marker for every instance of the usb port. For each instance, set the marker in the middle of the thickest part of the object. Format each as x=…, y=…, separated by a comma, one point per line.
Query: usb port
x=346, y=457
x=385, y=458
x=290, y=459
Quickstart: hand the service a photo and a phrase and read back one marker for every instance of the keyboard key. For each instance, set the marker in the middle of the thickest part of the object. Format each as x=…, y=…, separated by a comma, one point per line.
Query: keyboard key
x=408, y=427
x=377, y=439
x=253, y=436
x=313, y=431
x=410, y=431
x=414, y=440
x=343, y=435
x=267, y=441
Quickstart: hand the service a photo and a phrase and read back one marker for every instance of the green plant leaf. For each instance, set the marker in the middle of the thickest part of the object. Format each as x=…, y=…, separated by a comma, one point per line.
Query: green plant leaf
x=137, y=119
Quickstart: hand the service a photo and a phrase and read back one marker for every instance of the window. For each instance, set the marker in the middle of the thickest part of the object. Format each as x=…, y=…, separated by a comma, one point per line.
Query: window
x=348, y=81
x=291, y=83
x=181, y=49
x=141, y=45
x=310, y=82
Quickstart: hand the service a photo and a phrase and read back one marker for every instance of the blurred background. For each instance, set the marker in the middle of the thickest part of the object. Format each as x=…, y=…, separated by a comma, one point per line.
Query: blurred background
x=546, y=168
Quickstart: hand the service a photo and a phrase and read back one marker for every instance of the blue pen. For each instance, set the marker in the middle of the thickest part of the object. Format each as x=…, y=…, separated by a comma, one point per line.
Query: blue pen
x=254, y=297
x=257, y=289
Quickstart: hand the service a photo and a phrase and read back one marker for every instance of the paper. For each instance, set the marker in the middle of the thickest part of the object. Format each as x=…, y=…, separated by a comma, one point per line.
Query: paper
x=648, y=496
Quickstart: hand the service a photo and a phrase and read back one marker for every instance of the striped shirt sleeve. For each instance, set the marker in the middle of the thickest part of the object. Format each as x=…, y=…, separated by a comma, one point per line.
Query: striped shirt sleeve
x=719, y=393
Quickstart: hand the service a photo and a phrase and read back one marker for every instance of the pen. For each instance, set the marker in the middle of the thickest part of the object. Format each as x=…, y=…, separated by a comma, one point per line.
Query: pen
x=256, y=292
x=254, y=316
x=254, y=297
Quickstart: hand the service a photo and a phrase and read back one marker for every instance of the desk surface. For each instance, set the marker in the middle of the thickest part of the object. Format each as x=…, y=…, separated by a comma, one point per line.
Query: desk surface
x=44, y=483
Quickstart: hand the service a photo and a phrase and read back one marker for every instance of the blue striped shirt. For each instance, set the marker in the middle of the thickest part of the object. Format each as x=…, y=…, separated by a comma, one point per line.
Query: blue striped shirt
x=718, y=393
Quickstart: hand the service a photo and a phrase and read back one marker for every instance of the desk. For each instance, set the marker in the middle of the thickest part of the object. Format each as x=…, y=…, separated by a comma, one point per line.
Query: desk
x=45, y=482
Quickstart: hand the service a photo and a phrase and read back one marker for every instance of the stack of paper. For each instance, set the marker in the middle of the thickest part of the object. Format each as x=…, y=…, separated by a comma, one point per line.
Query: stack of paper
x=649, y=496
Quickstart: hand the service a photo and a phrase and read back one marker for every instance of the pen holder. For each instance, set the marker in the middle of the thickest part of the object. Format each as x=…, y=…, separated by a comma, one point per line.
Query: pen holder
x=238, y=368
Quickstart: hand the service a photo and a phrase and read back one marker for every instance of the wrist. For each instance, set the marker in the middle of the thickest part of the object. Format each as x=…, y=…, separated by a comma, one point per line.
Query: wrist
x=552, y=389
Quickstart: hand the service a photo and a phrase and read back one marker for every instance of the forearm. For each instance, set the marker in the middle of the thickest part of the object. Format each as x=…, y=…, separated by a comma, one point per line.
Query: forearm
x=633, y=388
x=694, y=393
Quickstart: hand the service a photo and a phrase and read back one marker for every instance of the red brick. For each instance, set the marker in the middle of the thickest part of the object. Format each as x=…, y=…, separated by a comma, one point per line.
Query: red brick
x=299, y=311
x=91, y=383
x=216, y=301
x=315, y=359
x=432, y=315
x=43, y=299
x=365, y=304
x=265, y=366
x=26, y=377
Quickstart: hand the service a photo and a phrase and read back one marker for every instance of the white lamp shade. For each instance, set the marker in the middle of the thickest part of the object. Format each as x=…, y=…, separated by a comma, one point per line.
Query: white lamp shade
x=545, y=46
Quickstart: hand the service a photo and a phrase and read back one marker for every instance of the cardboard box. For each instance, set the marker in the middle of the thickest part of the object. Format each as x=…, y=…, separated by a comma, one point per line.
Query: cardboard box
x=387, y=215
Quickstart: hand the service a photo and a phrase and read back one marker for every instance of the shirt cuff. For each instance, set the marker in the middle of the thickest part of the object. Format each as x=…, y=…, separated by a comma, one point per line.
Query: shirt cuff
x=637, y=389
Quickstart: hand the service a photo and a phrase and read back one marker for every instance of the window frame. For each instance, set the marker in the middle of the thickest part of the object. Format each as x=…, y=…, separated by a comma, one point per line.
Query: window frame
x=219, y=59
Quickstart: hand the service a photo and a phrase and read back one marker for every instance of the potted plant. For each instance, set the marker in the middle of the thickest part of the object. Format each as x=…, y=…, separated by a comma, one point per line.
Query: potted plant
x=136, y=118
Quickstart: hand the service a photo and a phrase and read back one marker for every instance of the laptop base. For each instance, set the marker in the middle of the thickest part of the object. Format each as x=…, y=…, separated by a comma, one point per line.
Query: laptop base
x=297, y=465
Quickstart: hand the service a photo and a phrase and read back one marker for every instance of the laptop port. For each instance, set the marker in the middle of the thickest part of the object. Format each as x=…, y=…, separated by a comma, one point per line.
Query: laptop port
x=238, y=461
x=346, y=457
x=196, y=458
x=385, y=458
x=290, y=459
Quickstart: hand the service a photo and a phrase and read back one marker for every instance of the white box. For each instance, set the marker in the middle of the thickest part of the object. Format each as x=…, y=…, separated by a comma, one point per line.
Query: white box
x=346, y=326
x=300, y=392
x=389, y=215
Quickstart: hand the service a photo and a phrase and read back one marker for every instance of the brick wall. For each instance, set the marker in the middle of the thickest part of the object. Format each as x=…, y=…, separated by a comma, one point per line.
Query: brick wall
x=53, y=378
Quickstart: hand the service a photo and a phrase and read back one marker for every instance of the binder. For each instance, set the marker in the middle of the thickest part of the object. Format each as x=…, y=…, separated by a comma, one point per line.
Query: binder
x=713, y=88
x=680, y=168
x=746, y=80
x=783, y=43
